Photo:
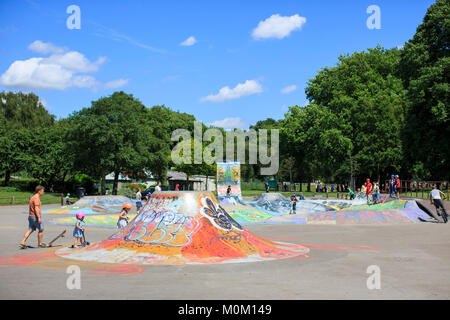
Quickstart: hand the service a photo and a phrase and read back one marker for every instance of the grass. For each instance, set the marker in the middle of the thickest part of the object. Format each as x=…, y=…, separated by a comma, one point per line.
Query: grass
x=23, y=197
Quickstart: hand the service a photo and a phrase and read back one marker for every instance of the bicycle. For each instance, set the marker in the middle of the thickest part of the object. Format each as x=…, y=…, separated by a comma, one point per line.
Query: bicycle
x=443, y=214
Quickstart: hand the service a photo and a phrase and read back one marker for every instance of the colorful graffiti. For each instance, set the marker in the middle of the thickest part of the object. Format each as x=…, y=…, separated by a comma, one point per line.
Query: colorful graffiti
x=183, y=228
x=394, y=204
x=93, y=205
x=229, y=174
x=106, y=221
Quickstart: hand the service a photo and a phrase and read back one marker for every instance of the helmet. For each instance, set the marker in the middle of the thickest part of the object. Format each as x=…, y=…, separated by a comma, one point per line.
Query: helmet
x=367, y=179
x=396, y=175
x=68, y=194
x=127, y=205
x=392, y=176
x=293, y=195
x=80, y=215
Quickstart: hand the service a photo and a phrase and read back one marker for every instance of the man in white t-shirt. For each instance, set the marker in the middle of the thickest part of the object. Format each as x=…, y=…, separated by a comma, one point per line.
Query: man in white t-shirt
x=158, y=187
x=435, y=198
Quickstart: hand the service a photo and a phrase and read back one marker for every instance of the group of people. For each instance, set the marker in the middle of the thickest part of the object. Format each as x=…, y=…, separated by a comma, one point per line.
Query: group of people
x=372, y=191
x=394, y=186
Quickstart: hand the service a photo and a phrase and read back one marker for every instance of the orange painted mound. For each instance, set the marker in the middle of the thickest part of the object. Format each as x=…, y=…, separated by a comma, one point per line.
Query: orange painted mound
x=183, y=228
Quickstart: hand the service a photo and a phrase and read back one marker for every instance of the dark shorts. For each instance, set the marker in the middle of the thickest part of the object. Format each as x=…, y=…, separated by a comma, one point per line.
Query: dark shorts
x=33, y=224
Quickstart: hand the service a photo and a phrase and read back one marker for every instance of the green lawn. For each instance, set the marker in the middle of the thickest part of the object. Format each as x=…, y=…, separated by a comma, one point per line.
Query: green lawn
x=8, y=195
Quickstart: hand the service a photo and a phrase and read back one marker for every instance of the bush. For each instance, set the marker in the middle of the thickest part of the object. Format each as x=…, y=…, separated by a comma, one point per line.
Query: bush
x=9, y=189
x=134, y=186
x=24, y=184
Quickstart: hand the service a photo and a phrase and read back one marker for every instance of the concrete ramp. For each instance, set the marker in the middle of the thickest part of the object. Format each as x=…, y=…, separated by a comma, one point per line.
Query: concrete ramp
x=94, y=205
x=185, y=227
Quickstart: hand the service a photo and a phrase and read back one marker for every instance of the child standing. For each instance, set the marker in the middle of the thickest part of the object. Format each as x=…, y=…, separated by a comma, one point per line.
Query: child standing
x=68, y=200
x=79, y=229
x=376, y=193
x=123, y=219
x=294, y=204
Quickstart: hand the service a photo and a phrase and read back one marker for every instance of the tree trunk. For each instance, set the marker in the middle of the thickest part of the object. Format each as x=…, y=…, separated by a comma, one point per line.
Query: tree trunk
x=378, y=173
x=7, y=178
x=206, y=187
x=103, y=187
x=309, y=186
x=116, y=181
x=290, y=180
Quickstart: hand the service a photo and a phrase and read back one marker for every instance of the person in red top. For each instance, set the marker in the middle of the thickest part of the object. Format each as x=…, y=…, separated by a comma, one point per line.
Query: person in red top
x=368, y=186
x=35, y=218
x=397, y=186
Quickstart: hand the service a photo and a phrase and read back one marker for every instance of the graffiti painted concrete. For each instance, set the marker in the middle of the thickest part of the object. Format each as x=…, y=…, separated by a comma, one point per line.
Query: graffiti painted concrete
x=93, y=205
x=183, y=228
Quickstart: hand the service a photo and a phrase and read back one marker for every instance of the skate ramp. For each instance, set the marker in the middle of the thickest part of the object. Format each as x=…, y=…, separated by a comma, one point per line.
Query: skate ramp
x=409, y=213
x=397, y=211
x=104, y=220
x=94, y=205
x=177, y=228
x=276, y=204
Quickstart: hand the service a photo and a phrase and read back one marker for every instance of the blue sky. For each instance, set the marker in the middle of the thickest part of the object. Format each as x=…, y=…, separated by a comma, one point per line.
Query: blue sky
x=255, y=48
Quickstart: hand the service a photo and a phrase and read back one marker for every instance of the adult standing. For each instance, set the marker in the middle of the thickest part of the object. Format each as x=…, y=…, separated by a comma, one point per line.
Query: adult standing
x=158, y=187
x=35, y=218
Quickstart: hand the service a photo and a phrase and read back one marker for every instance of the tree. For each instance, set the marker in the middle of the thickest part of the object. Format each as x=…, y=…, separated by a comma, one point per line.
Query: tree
x=19, y=113
x=365, y=102
x=118, y=134
x=425, y=68
x=50, y=156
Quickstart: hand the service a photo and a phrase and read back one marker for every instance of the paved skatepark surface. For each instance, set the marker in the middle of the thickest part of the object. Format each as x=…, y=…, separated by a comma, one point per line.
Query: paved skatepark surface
x=414, y=262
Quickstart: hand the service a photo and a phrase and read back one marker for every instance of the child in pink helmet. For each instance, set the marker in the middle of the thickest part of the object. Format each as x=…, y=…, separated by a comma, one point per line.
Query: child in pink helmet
x=79, y=229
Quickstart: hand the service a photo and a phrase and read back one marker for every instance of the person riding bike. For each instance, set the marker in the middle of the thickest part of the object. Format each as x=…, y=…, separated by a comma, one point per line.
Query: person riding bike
x=435, y=198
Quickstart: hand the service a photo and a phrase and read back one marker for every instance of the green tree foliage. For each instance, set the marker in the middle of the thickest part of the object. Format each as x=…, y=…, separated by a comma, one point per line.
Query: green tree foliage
x=19, y=113
x=50, y=155
x=118, y=134
x=356, y=112
x=425, y=70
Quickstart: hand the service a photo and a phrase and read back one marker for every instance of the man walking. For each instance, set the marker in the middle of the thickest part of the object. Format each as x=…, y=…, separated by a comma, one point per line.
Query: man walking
x=35, y=218
x=435, y=198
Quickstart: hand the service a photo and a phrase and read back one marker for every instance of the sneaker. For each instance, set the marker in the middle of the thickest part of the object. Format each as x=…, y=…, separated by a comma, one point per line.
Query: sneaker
x=23, y=246
x=43, y=245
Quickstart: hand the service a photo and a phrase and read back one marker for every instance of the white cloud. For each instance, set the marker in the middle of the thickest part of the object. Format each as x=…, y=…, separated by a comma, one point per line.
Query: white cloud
x=277, y=26
x=45, y=47
x=189, y=42
x=289, y=89
x=230, y=123
x=247, y=88
x=116, y=83
x=59, y=71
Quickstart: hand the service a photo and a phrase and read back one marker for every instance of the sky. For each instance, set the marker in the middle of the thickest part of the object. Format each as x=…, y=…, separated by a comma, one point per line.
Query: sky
x=229, y=63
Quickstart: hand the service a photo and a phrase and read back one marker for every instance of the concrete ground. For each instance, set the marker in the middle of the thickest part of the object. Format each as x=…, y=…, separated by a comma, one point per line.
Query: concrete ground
x=414, y=263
